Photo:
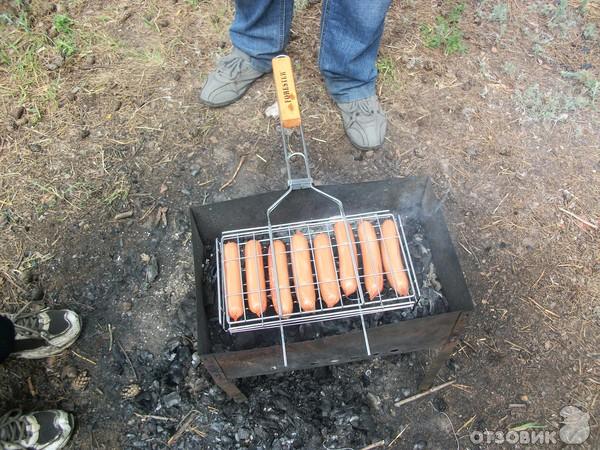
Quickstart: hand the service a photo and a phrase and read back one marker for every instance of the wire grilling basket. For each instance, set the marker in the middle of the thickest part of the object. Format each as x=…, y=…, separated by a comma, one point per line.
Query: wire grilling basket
x=259, y=279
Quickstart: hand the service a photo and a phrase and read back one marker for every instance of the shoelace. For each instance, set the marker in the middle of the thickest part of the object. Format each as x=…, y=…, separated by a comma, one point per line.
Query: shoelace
x=12, y=428
x=231, y=66
x=28, y=324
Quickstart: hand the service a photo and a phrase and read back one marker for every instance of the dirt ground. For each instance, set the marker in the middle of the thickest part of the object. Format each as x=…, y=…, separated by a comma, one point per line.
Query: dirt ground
x=111, y=147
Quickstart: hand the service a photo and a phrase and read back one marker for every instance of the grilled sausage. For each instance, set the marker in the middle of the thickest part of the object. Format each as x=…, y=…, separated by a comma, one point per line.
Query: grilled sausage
x=346, y=248
x=326, y=275
x=302, y=270
x=392, y=258
x=255, y=277
x=371, y=259
x=233, y=280
x=283, y=279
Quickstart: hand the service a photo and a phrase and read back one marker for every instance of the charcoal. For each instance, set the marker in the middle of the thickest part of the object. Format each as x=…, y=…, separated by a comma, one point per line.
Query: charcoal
x=217, y=427
x=326, y=407
x=152, y=270
x=421, y=444
x=175, y=375
x=452, y=365
x=145, y=401
x=172, y=344
x=367, y=423
x=195, y=360
x=184, y=354
x=171, y=400
x=242, y=435
x=374, y=402
x=440, y=404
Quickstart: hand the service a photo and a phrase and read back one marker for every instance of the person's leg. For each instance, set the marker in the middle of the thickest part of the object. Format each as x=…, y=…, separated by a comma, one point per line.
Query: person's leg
x=7, y=337
x=350, y=35
x=261, y=29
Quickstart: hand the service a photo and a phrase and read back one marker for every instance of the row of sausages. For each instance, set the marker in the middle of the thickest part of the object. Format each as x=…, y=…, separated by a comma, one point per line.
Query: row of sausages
x=379, y=257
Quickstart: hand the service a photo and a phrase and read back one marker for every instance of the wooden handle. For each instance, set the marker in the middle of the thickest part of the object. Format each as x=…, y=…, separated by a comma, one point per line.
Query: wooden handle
x=289, y=111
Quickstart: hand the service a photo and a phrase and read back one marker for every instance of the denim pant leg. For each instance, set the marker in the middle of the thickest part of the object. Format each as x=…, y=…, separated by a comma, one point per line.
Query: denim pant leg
x=261, y=29
x=7, y=337
x=350, y=35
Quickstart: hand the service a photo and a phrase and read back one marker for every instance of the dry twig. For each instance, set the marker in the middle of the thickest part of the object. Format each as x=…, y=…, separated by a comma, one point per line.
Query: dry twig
x=128, y=360
x=232, y=179
x=581, y=219
x=150, y=416
x=398, y=436
x=466, y=425
x=424, y=394
x=124, y=215
x=183, y=426
x=83, y=357
x=374, y=445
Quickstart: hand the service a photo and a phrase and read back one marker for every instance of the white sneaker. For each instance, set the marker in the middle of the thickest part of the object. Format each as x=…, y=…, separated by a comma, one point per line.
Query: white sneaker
x=45, y=333
x=39, y=430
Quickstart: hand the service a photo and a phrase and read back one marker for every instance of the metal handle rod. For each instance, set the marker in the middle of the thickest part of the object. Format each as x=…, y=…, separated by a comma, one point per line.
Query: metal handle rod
x=296, y=183
x=289, y=114
x=306, y=183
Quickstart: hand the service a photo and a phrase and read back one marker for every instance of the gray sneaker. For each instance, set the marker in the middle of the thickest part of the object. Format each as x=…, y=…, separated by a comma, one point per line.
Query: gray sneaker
x=230, y=80
x=364, y=122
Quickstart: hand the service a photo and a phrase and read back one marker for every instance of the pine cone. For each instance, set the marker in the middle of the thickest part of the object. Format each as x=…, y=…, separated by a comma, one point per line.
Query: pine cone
x=130, y=391
x=81, y=381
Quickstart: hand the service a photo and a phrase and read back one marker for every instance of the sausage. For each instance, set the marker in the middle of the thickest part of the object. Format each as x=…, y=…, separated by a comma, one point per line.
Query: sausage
x=283, y=279
x=233, y=280
x=392, y=258
x=255, y=277
x=371, y=259
x=346, y=249
x=326, y=275
x=302, y=270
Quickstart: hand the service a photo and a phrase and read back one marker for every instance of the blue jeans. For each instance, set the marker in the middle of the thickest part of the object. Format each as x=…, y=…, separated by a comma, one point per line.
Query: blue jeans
x=350, y=35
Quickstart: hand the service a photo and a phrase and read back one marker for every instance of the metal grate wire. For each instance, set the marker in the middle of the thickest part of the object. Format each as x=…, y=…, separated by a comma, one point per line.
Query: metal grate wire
x=348, y=306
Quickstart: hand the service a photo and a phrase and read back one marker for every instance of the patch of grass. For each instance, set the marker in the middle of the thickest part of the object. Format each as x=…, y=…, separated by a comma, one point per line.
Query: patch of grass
x=65, y=46
x=583, y=6
x=499, y=13
x=587, y=80
x=63, y=23
x=219, y=18
x=386, y=68
x=590, y=32
x=509, y=68
x=548, y=106
x=153, y=57
x=561, y=17
x=119, y=194
x=65, y=41
x=446, y=32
